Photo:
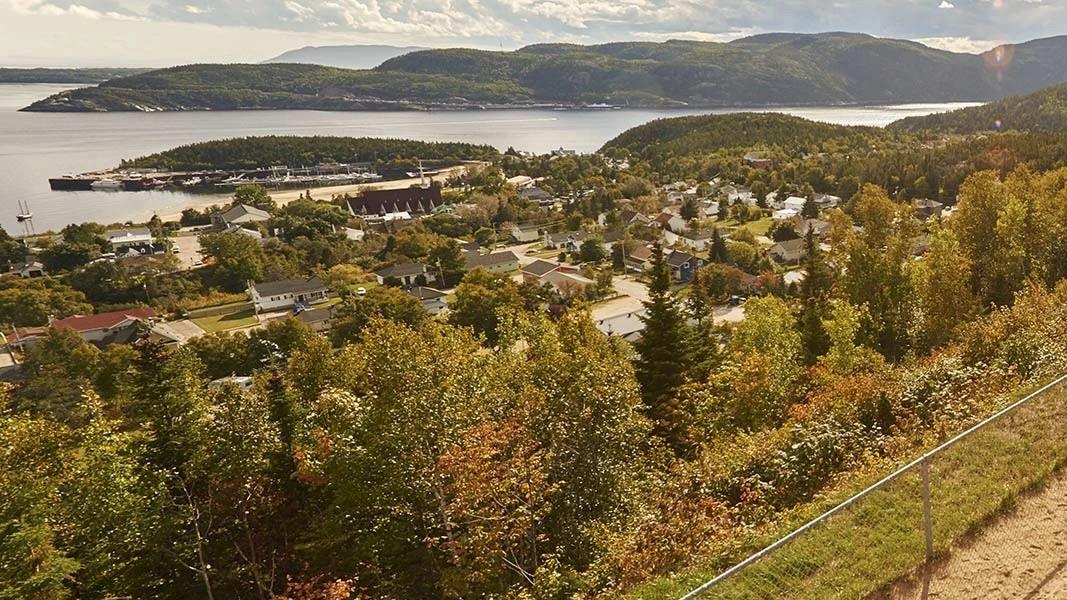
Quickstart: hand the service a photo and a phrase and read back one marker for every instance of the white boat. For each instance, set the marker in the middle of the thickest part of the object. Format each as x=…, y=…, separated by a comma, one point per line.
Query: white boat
x=106, y=184
x=193, y=181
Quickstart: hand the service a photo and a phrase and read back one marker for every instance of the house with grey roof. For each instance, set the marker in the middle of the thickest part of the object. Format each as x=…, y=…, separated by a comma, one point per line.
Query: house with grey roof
x=240, y=214
x=408, y=274
x=287, y=293
x=497, y=262
x=683, y=265
x=432, y=300
x=789, y=251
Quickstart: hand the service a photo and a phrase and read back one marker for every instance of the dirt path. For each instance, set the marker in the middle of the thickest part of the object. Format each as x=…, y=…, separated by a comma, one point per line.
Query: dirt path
x=1023, y=555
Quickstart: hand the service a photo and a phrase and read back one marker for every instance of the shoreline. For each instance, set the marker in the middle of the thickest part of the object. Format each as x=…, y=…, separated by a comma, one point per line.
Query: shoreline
x=283, y=197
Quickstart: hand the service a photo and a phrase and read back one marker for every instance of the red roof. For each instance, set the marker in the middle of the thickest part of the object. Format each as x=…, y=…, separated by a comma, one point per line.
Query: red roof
x=664, y=218
x=104, y=320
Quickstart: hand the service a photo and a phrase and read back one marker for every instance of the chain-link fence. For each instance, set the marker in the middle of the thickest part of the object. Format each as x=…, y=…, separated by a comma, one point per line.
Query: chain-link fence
x=970, y=519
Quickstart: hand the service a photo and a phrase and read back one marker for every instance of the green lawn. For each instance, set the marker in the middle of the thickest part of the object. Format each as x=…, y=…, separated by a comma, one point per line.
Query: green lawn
x=877, y=541
x=233, y=320
x=760, y=227
x=242, y=304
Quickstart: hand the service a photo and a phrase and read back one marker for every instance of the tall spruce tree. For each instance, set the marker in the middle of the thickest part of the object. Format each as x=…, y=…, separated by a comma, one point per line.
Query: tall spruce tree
x=815, y=296
x=663, y=360
x=718, y=247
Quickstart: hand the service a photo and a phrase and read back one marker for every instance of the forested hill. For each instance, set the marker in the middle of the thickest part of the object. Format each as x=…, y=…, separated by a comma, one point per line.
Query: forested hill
x=252, y=152
x=683, y=136
x=1044, y=110
x=78, y=76
x=765, y=70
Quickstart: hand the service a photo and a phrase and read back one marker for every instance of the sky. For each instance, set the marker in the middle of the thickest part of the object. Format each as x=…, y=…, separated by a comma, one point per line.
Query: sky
x=167, y=32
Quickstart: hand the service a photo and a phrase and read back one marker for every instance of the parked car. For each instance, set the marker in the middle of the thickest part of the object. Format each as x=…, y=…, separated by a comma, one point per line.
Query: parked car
x=361, y=291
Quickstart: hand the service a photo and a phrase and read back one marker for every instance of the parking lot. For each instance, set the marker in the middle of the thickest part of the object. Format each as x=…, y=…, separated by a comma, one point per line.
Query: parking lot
x=188, y=246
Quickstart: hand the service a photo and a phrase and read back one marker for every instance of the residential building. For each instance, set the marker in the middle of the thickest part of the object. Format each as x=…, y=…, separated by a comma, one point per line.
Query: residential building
x=30, y=270
x=104, y=329
x=407, y=274
x=640, y=259
x=757, y=160
x=242, y=382
x=628, y=326
x=356, y=235
x=795, y=202
x=698, y=240
x=239, y=214
x=415, y=201
x=319, y=319
x=287, y=293
x=432, y=300
x=238, y=230
x=824, y=201
x=670, y=221
x=537, y=270
x=629, y=217
x=521, y=181
x=785, y=214
x=926, y=208
x=567, y=240
x=817, y=226
x=524, y=234
x=683, y=265
x=538, y=195
x=138, y=239
x=497, y=262
x=789, y=251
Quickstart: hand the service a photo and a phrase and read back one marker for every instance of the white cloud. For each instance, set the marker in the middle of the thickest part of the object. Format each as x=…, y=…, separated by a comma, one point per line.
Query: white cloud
x=946, y=4
x=700, y=36
x=193, y=9
x=959, y=44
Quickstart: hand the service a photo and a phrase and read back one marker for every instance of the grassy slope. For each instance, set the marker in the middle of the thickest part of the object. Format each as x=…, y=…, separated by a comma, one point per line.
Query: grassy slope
x=879, y=540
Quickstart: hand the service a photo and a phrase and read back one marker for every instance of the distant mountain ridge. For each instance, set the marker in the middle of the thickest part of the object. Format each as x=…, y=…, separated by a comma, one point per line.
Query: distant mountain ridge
x=76, y=76
x=764, y=70
x=345, y=57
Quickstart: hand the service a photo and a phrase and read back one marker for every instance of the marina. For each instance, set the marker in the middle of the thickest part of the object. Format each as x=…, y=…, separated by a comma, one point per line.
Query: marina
x=279, y=176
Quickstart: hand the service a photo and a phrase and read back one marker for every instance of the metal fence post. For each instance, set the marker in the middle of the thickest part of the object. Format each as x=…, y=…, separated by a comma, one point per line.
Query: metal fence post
x=928, y=522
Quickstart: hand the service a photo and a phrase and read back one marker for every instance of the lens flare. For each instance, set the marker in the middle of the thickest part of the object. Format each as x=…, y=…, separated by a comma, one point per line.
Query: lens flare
x=999, y=59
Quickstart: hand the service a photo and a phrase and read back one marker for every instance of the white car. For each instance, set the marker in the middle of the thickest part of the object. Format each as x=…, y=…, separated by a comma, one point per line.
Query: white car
x=361, y=291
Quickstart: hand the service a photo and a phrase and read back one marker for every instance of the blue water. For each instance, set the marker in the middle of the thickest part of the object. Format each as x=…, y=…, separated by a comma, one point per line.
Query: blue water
x=36, y=146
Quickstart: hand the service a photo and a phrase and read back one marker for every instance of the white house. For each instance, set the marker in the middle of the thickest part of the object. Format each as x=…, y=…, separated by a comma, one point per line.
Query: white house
x=628, y=326
x=30, y=269
x=795, y=202
x=525, y=233
x=287, y=293
x=138, y=238
x=785, y=214
x=696, y=240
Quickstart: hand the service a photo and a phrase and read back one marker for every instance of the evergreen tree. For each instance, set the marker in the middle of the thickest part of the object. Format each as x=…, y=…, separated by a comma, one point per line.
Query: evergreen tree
x=810, y=210
x=815, y=295
x=717, y=253
x=663, y=363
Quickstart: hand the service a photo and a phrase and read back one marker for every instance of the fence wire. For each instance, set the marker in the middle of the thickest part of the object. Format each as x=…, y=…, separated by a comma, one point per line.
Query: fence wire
x=997, y=514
